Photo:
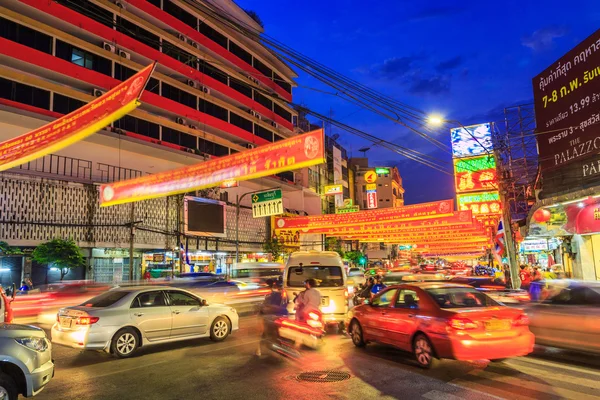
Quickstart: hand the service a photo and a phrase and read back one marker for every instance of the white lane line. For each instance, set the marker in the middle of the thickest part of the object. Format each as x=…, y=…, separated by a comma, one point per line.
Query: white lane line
x=556, y=365
x=484, y=390
x=437, y=395
x=480, y=392
x=552, y=375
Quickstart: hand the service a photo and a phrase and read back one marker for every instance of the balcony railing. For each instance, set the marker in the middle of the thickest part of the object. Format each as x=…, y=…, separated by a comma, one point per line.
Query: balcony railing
x=113, y=173
x=53, y=164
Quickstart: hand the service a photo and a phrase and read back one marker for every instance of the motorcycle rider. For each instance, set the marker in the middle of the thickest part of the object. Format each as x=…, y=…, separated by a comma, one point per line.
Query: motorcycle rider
x=308, y=300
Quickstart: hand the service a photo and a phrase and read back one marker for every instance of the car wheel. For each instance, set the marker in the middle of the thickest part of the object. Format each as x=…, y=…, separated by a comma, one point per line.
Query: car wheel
x=423, y=351
x=356, y=334
x=219, y=329
x=8, y=388
x=125, y=343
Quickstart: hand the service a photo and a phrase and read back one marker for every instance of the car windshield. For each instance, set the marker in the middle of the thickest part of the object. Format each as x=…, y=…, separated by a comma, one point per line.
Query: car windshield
x=105, y=299
x=460, y=297
x=325, y=276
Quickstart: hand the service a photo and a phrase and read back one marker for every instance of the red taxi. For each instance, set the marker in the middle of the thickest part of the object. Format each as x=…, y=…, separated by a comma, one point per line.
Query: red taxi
x=441, y=320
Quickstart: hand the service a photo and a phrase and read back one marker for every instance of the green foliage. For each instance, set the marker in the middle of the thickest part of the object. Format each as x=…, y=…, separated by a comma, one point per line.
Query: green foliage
x=334, y=244
x=63, y=254
x=273, y=247
x=7, y=250
x=356, y=257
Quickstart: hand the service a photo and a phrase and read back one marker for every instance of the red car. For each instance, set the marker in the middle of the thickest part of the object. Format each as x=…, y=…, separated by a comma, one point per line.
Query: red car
x=441, y=320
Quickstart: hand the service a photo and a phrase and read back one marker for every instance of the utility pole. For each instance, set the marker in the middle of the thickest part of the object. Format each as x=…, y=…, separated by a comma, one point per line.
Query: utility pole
x=131, y=239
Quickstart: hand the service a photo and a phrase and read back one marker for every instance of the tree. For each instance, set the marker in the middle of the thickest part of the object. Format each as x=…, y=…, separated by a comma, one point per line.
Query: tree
x=63, y=254
x=334, y=244
x=7, y=250
x=356, y=257
x=255, y=17
x=273, y=247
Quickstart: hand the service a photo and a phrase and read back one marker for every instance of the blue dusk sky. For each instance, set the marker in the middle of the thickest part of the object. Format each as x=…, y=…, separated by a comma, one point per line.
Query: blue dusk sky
x=466, y=60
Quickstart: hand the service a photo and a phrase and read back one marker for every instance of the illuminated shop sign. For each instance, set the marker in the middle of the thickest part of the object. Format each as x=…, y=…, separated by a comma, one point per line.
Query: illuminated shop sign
x=475, y=174
x=480, y=203
x=471, y=140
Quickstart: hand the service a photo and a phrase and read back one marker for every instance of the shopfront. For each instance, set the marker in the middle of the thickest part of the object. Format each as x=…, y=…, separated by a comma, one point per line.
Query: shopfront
x=570, y=225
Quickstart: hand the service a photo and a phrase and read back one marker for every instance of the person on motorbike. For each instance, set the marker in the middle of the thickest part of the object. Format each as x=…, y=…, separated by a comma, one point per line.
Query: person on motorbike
x=379, y=286
x=308, y=300
x=366, y=292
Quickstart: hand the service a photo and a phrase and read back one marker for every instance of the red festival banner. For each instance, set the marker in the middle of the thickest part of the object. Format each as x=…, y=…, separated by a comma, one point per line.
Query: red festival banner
x=406, y=213
x=76, y=126
x=293, y=153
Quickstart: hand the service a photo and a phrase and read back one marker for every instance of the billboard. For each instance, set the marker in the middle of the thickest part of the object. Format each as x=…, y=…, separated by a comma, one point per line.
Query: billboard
x=76, y=126
x=483, y=203
x=337, y=174
x=475, y=174
x=471, y=140
x=565, y=98
x=296, y=152
x=371, y=200
x=204, y=217
x=333, y=190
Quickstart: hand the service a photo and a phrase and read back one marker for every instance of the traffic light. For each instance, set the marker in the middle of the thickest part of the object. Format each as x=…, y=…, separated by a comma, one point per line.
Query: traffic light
x=362, y=260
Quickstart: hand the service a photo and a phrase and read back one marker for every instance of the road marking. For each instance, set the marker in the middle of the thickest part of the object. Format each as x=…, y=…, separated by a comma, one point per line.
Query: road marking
x=481, y=392
x=557, y=365
x=437, y=395
x=554, y=376
x=485, y=390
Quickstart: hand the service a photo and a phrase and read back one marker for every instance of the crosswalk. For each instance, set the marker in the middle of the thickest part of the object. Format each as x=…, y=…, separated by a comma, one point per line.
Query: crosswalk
x=530, y=378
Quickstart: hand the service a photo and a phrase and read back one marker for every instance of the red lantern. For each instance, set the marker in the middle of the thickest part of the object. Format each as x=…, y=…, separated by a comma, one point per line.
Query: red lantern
x=541, y=215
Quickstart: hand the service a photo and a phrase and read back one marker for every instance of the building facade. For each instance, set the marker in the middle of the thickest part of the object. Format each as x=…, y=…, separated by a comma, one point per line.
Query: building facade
x=376, y=187
x=214, y=92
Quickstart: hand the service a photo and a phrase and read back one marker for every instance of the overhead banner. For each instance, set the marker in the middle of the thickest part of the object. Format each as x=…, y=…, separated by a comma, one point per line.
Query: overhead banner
x=76, y=126
x=475, y=174
x=286, y=155
x=405, y=213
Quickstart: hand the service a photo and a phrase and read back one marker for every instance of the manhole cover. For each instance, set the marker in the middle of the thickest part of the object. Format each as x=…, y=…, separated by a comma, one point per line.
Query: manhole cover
x=323, y=376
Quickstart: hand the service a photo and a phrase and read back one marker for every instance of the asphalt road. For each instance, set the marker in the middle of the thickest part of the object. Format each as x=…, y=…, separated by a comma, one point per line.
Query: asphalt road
x=201, y=369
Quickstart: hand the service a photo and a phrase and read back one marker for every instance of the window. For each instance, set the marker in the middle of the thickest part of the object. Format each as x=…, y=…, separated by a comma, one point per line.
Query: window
x=240, y=122
x=25, y=36
x=105, y=299
x=182, y=299
x=83, y=58
x=180, y=96
x=387, y=199
x=123, y=73
x=282, y=84
x=212, y=34
x=265, y=101
x=385, y=298
x=241, y=53
x=189, y=141
x=246, y=90
x=277, y=138
x=155, y=2
x=180, y=55
x=141, y=35
x=326, y=276
x=65, y=105
x=211, y=148
x=171, y=135
x=25, y=94
x=180, y=14
x=282, y=112
x=266, y=71
x=90, y=10
x=216, y=111
x=212, y=71
x=263, y=132
x=149, y=299
x=138, y=126
x=407, y=299
x=460, y=297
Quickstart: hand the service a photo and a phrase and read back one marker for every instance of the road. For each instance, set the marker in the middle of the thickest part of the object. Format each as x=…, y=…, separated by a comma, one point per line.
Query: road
x=201, y=369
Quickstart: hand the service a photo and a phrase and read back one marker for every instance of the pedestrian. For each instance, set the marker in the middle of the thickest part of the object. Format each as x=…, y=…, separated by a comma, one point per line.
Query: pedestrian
x=147, y=275
x=525, y=277
x=379, y=286
x=24, y=287
x=507, y=279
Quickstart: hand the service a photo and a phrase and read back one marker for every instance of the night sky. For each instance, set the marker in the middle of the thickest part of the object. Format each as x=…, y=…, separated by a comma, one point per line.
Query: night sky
x=465, y=60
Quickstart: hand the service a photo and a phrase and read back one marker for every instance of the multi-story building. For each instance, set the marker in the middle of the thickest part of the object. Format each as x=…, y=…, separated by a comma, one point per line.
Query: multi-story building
x=214, y=92
x=376, y=187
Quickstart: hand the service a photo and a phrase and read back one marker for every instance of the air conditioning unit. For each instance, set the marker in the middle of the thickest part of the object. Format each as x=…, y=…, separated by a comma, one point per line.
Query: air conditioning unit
x=120, y=131
x=193, y=83
x=180, y=121
x=274, y=124
x=120, y=4
x=253, y=113
x=97, y=92
x=193, y=127
x=205, y=89
x=194, y=44
x=109, y=47
x=182, y=37
x=124, y=54
x=250, y=145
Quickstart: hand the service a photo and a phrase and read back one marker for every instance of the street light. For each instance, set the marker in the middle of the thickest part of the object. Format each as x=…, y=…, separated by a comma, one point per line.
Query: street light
x=435, y=120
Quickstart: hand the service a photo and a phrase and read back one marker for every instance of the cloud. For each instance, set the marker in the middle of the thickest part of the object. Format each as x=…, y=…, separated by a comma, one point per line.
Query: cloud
x=437, y=84
x=397, y=67
x=450, y=64
x=435, y=12
x=543, y=39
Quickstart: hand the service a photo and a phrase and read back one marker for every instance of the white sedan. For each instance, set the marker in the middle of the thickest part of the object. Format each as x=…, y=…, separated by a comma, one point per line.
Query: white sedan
x=122, y=320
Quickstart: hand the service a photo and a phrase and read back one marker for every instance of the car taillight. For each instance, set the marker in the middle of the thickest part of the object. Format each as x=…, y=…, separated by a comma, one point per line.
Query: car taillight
x=57, y=317
x=521, y=320
x=463, y=324
x=523, y=297
x=86, y=320
x=346, y=293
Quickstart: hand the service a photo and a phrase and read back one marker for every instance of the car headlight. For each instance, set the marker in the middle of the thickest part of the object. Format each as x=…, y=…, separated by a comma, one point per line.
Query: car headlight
x=34, y=343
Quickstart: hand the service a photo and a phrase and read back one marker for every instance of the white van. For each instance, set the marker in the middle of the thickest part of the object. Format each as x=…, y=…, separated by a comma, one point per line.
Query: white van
x=327, y=269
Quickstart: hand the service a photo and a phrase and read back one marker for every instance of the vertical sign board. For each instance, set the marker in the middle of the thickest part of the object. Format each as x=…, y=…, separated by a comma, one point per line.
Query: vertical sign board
x=566, y=98
x=265, y=204
x=475, y=174
x=337, y=174
x=371, y=200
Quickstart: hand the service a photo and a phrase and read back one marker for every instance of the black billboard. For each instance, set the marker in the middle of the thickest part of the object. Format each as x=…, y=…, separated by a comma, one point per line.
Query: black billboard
x=204, y=217
x=567, y=113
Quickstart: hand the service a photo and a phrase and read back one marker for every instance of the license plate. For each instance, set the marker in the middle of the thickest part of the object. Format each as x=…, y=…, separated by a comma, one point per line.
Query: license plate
x=325, y=301
x=65, y=322
x=497, y=325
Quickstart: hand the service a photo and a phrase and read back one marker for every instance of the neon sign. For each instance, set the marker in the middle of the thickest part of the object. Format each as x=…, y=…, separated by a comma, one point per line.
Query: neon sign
x=484, y=203
x=475, y=174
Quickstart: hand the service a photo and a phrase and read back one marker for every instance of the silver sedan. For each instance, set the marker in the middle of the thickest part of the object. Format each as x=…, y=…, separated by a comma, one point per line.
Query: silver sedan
x=122, y=320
